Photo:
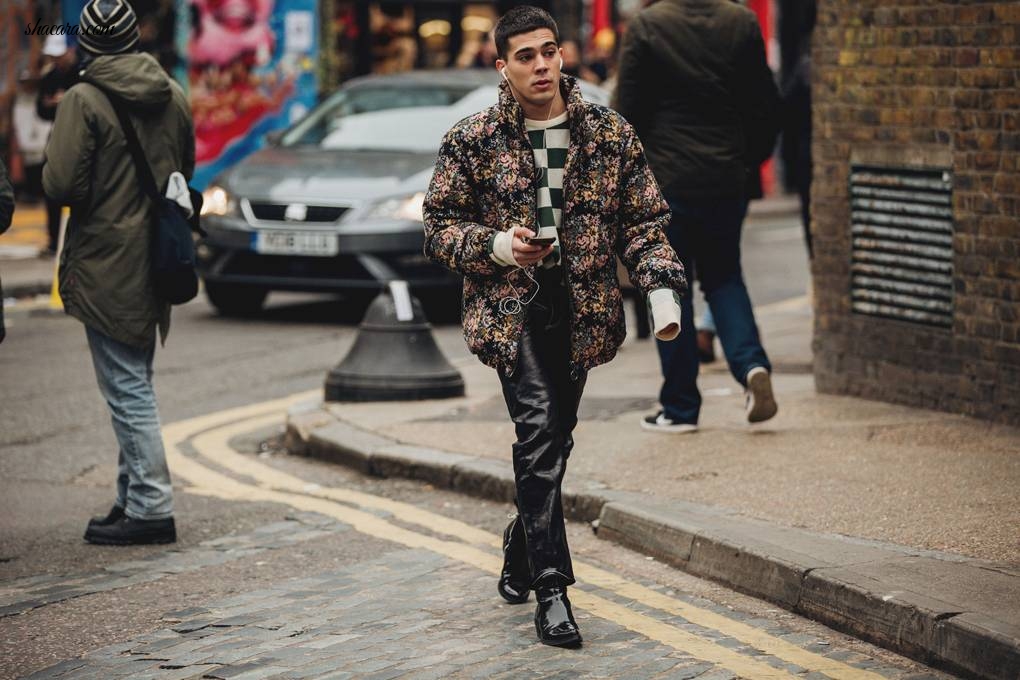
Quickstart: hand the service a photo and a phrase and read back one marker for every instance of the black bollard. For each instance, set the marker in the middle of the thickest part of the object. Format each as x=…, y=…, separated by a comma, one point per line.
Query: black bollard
x=394, y=357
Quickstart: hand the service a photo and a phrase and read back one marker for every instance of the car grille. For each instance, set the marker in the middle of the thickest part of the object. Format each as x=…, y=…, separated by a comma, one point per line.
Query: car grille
x=274, y=212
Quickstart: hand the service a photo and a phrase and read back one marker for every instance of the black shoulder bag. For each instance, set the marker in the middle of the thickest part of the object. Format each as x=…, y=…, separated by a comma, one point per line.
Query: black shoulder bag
x=172, y=250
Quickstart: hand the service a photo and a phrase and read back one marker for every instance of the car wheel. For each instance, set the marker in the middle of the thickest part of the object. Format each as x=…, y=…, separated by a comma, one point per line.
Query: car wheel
x=234, y=300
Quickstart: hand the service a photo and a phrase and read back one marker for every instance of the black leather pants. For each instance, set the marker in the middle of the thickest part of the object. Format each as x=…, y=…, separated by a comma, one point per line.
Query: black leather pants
x=542, y=401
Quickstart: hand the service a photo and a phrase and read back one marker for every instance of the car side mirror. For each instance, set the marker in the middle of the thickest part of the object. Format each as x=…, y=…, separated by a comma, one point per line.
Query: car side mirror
x=274, y=138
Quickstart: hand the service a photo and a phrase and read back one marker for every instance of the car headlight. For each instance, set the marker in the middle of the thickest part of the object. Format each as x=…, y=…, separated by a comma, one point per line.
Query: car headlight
x=217, y=201
x=400, y=207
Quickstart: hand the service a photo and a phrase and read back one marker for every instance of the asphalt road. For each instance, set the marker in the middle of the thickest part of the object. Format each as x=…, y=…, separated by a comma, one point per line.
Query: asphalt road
x=57, y=448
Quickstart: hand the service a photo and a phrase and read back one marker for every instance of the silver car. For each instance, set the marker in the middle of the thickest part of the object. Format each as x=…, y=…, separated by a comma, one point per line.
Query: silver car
x=334, y=203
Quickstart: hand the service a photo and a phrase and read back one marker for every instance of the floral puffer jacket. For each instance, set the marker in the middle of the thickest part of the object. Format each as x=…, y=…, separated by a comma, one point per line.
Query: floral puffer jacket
x=485, y=181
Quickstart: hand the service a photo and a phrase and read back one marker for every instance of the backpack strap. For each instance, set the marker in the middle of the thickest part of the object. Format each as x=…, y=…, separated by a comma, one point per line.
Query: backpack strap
x=134, y=147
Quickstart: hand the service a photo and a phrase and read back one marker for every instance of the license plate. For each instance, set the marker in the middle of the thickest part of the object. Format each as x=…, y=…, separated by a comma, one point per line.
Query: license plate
x=280, y=242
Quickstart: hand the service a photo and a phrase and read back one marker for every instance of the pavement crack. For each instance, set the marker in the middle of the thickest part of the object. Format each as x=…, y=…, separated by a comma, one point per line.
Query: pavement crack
x=1006, y=571
x=78, y=478
x=945, y=616
x=800, y=590
x=40, y=438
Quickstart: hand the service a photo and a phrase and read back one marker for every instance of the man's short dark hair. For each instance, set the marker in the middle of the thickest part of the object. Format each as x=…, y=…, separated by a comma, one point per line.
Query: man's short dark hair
x=522, y=19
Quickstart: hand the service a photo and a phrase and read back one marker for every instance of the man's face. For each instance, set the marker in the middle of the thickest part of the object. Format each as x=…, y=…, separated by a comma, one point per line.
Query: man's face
x=533, y=66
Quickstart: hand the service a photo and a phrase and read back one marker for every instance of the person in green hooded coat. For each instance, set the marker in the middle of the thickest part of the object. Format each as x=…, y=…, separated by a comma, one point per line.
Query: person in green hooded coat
x=104, y=267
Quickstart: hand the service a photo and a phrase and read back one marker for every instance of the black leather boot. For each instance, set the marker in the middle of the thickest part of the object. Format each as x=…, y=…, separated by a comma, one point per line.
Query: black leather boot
x=554, y=622
x=128, y=531
x=515, y=578
x=116, y=512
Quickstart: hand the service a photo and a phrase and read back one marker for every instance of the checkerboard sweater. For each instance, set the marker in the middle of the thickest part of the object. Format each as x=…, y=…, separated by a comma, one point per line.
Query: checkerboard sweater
x=550, y=140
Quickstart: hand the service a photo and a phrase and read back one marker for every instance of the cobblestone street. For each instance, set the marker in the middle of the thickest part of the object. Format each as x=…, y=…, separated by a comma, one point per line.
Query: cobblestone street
x=413, y=613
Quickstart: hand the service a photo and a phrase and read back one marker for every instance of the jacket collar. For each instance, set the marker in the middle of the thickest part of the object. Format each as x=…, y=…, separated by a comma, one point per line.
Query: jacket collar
x=512, y=115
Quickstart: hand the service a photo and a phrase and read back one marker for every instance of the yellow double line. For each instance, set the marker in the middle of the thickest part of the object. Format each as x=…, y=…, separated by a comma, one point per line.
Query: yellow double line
x=209, y=436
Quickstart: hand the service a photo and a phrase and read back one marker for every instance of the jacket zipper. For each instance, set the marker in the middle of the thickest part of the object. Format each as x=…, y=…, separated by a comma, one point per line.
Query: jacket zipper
x=563, y=258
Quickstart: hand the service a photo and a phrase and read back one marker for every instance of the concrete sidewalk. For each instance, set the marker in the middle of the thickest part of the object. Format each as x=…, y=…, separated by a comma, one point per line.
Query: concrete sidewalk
x=898, y=525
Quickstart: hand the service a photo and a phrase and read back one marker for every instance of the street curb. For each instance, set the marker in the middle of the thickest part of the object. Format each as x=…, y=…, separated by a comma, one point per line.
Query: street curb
x=879, y=592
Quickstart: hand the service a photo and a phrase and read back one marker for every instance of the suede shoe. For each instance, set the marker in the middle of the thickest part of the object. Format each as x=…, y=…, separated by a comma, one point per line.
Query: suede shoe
x=128, y=531
x=761, y=402
x=116, y=512
x=514, y=579
x=554, y=621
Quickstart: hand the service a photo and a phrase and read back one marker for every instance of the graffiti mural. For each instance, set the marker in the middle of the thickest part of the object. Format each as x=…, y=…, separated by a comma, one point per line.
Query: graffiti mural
x=251, y=70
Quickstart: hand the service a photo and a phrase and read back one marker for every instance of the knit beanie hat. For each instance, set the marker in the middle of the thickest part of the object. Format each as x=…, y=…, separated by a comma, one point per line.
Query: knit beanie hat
x=108, y=27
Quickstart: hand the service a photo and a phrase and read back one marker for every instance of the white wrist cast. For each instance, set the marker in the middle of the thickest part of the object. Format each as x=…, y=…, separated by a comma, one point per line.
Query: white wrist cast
x=664, y=307
x=502, y=249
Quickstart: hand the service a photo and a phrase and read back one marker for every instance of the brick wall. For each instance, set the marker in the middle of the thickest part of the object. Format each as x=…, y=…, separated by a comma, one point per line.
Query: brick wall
x=924, y=84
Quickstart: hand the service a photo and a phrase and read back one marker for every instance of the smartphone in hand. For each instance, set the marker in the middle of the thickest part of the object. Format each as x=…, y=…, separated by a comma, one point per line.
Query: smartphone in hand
x=541, y=241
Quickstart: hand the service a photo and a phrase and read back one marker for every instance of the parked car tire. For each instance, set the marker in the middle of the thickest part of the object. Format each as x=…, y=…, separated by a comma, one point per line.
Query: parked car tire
x=234, y=300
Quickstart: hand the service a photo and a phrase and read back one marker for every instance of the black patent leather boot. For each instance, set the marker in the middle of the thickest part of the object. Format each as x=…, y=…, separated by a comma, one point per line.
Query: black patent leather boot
x=515, y=579
x=554, y=621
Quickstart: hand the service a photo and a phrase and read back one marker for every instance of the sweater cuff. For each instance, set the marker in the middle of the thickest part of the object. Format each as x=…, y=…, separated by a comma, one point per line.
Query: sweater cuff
x=664, y=309
x=501, y=249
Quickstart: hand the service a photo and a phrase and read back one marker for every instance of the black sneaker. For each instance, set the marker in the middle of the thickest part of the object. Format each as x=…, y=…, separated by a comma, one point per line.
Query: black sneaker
x=116, y=512
x=128, y=531
x=658, y=422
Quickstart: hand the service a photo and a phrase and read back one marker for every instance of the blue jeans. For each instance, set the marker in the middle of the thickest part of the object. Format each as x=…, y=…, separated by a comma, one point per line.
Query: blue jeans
x=124, y=373
x=706, y=236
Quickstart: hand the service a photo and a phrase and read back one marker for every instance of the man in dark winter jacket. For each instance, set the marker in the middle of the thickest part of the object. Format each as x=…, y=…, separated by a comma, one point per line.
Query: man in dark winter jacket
x=694, y=83
x=104, y=268
x=545, y=163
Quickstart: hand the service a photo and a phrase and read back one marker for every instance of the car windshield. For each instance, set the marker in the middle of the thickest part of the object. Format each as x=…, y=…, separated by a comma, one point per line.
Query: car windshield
x=339, y=121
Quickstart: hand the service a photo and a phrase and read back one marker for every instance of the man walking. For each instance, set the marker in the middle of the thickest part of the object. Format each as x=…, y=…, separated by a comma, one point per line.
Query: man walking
x=545, y=163
x=104, y=269
x=694, y=83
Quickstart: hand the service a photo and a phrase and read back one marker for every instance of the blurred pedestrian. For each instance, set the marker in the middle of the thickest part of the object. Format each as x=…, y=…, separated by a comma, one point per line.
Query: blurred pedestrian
x=600, y=57
x=573, y=64
x=797, y=115
x=31, y=132
x=706, y=109
x=104, y=269
x=543, y=314
x=485, y=57
x=60, y=75
x=6, y=212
